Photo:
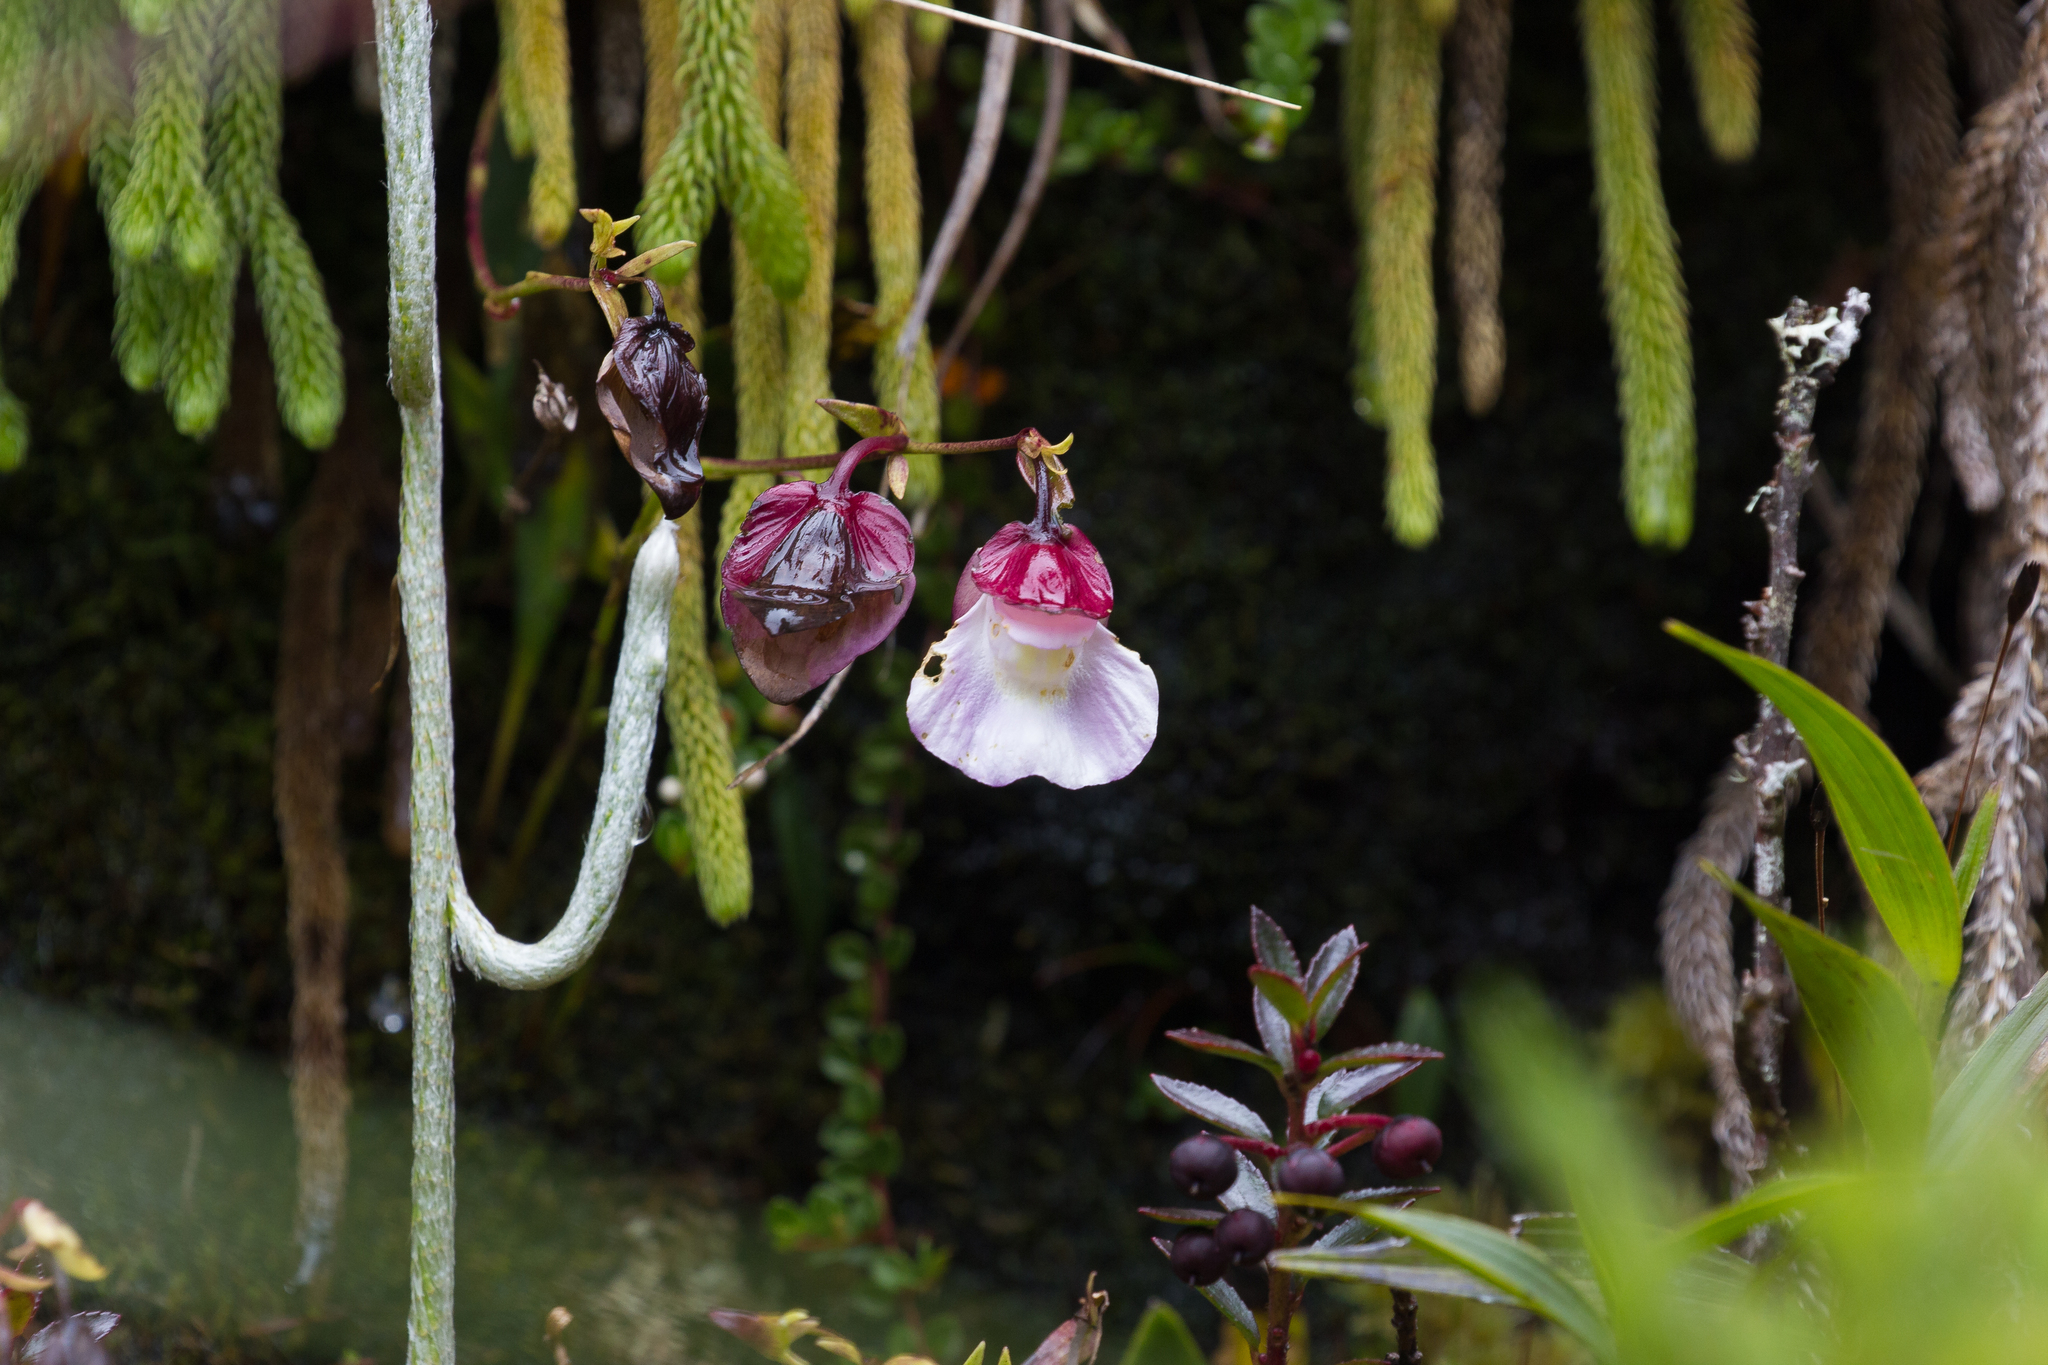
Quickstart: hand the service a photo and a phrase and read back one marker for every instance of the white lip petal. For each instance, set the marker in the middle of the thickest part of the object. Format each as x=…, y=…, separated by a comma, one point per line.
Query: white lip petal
x=998, y=709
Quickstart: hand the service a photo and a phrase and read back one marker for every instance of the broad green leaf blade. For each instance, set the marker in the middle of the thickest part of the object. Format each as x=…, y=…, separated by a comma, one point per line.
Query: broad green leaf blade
x=1866, y=1023
x=1201, y=1040
x=1161, y=1338
x=1997, y=1080
x=1283, y=992
x=1890, y=835
x=1487, y=1252
x=1370, y=1265
x=1976, y=848
x=1717, y=1227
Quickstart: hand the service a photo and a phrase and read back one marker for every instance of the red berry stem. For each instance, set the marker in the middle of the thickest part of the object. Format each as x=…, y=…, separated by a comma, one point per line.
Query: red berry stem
x=1317, y=1127
x=1254, y=1147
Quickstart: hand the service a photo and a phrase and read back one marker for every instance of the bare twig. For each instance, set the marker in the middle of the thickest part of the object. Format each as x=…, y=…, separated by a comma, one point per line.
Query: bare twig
x=1059, y=67
x=811, y=718
x=1082, y=49
x=1813, y=343
x=1405, y=1351
x=989, y=111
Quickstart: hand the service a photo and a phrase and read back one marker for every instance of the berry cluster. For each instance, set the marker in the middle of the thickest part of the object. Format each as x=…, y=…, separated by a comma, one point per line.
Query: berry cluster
x=1242, y=1166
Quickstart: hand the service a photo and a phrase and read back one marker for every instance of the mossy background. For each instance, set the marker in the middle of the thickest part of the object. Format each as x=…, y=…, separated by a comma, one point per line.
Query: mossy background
x=1482, y=753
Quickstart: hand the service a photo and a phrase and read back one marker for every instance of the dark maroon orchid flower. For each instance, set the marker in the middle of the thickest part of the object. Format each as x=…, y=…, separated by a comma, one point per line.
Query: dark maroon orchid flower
x=816, y=577
x=654, y=399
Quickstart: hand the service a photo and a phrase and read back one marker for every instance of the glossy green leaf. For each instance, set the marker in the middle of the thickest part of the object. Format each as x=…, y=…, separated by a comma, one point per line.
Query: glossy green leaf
x=1490, y=1254
x=1201, y=1040
x=1864, y=1020
x=1724, y=1224
x=1976, y=848
x=1890, y=835
x=1993, y=1085
x=1162, y=1338
x=1282, y=991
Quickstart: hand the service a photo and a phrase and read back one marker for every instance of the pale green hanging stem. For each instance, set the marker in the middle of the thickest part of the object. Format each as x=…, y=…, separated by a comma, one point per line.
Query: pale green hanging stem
x=404, y=54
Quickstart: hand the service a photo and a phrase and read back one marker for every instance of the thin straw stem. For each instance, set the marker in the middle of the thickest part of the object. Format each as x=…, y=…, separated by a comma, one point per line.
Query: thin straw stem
x=1082, y=49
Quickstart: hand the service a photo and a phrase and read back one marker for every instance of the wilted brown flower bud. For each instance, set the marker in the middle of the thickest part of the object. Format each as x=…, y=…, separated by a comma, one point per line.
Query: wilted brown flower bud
x=553, y=408
x=654, y=399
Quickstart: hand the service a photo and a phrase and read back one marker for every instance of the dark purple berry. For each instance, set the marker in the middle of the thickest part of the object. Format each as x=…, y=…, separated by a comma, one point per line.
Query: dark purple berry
x=1197, y=1258
x=1203, y=1166
x=1408, y=1148
x=1245, y=1235
x=1309, y=1170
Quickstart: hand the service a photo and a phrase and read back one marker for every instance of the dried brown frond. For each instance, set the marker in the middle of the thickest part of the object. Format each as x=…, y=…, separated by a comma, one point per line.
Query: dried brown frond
x=1477, y=119
x=1917, y=113
x=1695, y=946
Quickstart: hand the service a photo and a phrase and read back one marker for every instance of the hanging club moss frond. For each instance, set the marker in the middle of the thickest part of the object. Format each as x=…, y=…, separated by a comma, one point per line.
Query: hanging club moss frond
x=722, y=150
x=166, y=192
x=895, y=235
x=659, y=21
x=1720, y=46
x=703, y=744
x=1646, y=307
x=199, y=343
x=1402, y=179
x=246, y=132
x=811, y=105
x=17, y=187
x=533, y=83
x=757, y=341
x=1358, y=69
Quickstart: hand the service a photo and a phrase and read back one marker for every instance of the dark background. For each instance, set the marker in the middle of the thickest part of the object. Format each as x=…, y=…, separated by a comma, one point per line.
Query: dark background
x=1483, y=753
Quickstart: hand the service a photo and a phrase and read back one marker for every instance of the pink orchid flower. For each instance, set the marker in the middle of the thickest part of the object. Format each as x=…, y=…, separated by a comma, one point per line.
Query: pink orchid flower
x=1029, y=681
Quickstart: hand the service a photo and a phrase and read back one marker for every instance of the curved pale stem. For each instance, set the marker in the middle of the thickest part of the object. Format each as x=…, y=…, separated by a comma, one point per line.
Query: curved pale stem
x=621, y=798
x=404, y=55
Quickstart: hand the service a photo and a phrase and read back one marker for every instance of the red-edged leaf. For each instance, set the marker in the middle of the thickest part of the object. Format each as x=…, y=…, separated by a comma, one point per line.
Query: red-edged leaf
x=1283, y=991
x=1201, y=1040
x=1271, y=947
x=1377, y=1053
x=1194, y=1218
x=1335, y=985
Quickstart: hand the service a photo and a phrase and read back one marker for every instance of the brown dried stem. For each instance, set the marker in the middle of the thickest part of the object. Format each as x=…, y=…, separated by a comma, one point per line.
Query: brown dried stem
x=1749, y=802
x=1059, y=66
x=310, y=707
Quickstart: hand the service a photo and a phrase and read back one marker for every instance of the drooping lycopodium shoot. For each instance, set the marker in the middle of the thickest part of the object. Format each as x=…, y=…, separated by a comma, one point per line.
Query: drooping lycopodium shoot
x=1029, y=682
x=654, y=399
x=816, y=577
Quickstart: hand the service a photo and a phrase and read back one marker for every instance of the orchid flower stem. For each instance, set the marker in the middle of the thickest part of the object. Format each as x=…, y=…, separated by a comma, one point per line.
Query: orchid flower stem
x=715, y=468
x=843, y=467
